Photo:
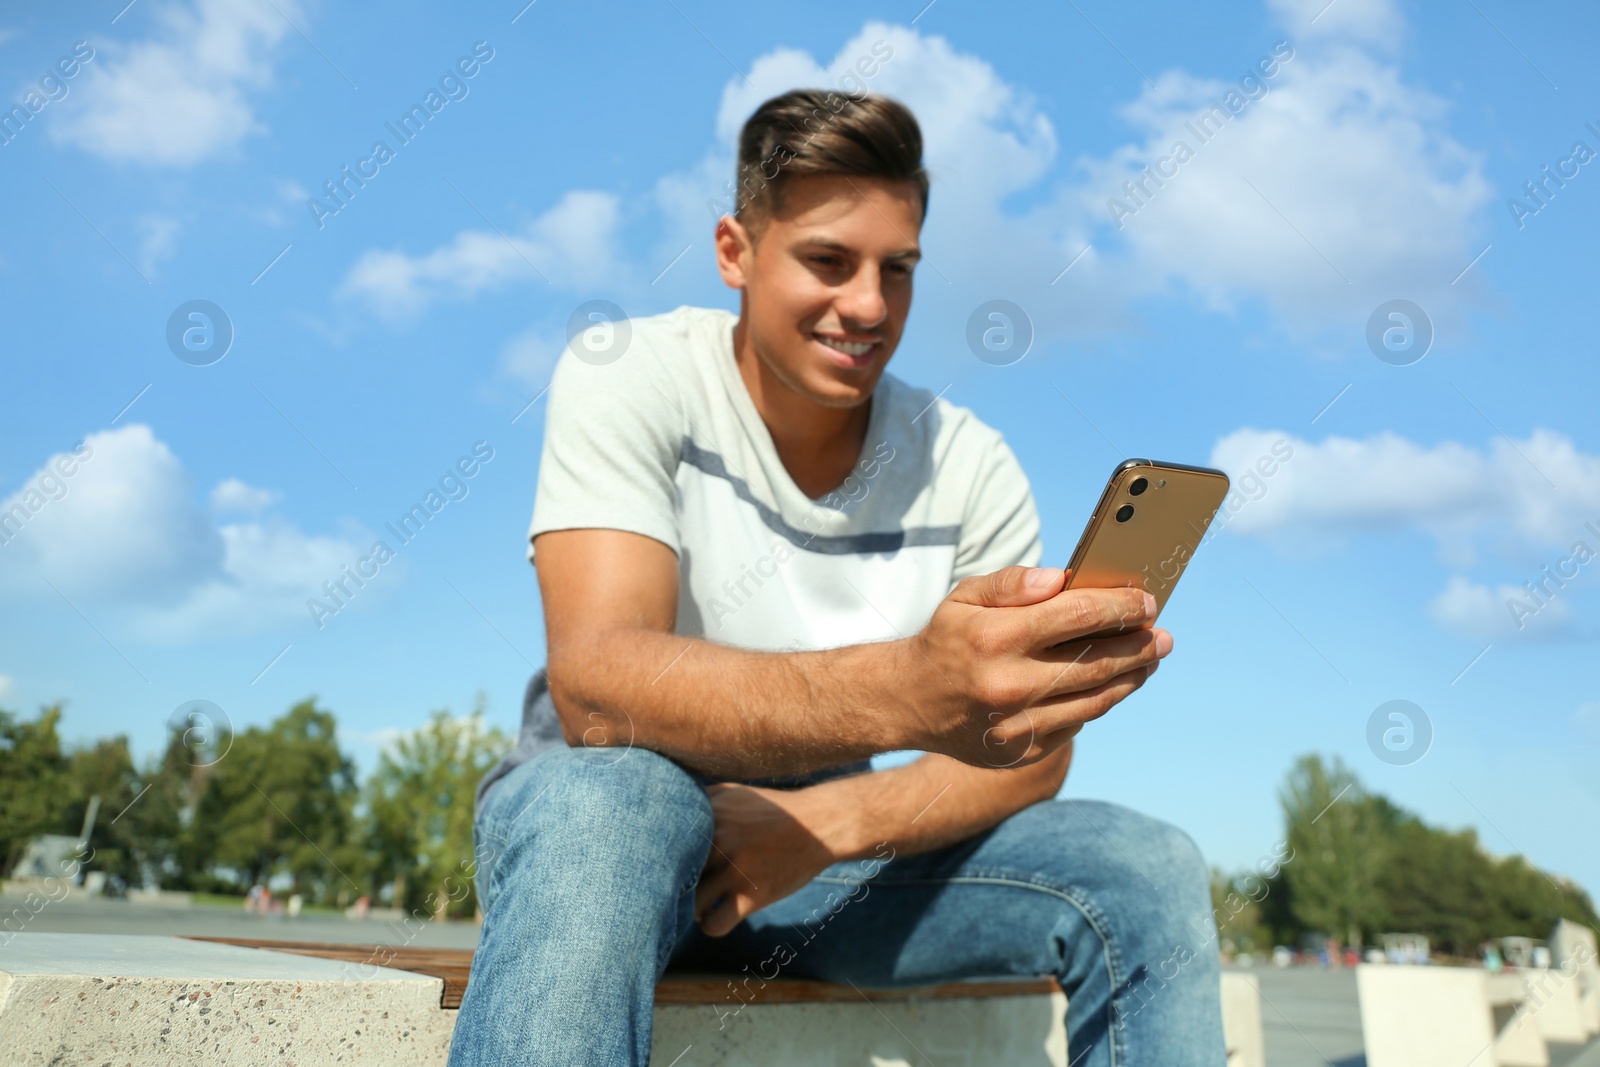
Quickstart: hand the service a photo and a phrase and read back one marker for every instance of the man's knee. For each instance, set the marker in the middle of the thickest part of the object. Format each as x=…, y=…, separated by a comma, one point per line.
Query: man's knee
x=599, y=811
x=1172, y=894
x=1174, y=853
x=1166, y=872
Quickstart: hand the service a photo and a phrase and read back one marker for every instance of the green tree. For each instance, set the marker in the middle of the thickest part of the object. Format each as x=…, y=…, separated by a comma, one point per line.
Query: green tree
x=420, y=799
x=1528, y=901
x=1363, y=866
x=1339, y=835
x=164, y=839
x=32, y=773
x=1445, y=886
x=282, y=799
x=1438, y=884
x=104, y=769
x=1236, y=907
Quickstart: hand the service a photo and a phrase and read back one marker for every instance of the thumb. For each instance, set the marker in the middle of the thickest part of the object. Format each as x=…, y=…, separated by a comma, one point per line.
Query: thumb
x=1010, y=587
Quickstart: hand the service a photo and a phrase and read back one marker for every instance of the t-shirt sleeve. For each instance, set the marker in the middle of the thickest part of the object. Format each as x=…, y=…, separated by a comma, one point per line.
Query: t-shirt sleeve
x=1001, y=527
x=612, y=437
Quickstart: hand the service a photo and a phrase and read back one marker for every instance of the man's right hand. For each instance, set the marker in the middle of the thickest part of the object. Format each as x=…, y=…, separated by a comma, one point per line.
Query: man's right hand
x=1010, y=672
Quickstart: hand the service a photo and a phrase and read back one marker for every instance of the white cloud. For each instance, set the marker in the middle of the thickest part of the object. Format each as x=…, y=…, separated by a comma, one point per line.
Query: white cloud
x=530, y=357
x=268, y=569
x=286, y=202
x=124, y=532
x=1360, y=193
x=123, y=525
x=8, y=684
x=179, y=97
x=1335, y=191
x=157, y=240
x=572, y=245
x=232, y=495
x=1451, y=490
x=1505, y=612
x=1374, y=22
x=984, y=140
x=1473, y=502
x=981, y=136
x=1354, y=167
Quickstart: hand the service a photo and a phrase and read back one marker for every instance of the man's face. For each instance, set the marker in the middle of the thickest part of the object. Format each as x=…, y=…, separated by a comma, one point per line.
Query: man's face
x=827, y=286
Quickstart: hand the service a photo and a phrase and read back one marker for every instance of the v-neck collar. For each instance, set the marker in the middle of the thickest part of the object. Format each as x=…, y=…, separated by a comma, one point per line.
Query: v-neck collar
x=756, y=426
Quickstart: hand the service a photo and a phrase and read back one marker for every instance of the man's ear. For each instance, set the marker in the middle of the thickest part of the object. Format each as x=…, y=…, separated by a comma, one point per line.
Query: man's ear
x=735, y=246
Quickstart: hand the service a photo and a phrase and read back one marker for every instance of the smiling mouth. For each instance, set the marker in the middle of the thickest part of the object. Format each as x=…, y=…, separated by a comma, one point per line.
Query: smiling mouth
x=855, y=350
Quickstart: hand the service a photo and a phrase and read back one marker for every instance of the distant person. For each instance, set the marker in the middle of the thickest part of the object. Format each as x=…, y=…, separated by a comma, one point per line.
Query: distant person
x=762, y=561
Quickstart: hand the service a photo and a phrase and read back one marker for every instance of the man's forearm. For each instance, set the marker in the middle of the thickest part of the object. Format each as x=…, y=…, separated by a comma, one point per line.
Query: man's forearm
x=930, y=803
x=732, y=712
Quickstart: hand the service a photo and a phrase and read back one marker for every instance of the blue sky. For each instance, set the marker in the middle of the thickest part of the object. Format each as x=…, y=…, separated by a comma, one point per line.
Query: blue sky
x=1206, y=320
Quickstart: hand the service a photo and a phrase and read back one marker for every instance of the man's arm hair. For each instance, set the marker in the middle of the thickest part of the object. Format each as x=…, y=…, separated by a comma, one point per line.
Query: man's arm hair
x=996, y=678
x=619, y=675
x=936, y=801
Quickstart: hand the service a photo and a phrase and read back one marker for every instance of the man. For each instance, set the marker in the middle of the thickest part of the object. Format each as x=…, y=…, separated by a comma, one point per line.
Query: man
x=763, y=561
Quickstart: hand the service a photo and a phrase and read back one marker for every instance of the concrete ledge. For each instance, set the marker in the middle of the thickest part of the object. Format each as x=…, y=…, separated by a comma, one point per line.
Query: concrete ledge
x=92, y=999
x=1577, y=953
x=1553, y=1002
x=1518, y=1041
x=143, y=1001
x=1425, y=1016
x=1241, y=1020
x=1027, y=1030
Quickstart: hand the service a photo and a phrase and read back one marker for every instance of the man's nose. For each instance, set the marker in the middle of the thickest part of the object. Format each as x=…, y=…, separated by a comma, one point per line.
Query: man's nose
x=861, y=305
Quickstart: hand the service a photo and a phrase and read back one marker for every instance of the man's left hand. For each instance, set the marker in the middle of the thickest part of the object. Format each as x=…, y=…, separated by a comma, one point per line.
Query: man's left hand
x=766, y=844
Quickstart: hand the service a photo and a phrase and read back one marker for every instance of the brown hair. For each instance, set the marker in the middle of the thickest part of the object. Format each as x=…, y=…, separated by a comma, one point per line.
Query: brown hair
x=819, y=131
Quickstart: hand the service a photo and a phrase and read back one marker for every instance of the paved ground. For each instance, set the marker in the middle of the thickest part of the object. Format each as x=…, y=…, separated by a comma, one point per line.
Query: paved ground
x=1310, y=1017
x=1571, y=1056
x=119, y=917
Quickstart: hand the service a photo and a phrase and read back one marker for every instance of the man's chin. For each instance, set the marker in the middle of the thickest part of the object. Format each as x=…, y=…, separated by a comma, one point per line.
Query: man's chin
x=826, y=382
x=832, y=387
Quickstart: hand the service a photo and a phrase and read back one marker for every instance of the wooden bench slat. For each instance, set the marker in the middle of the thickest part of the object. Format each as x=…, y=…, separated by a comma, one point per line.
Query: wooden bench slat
x=453, y=966
x=714, y=989
x=449, y=965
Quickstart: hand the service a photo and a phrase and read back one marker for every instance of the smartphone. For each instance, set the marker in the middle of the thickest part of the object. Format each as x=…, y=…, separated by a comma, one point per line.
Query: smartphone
x=1150, y=519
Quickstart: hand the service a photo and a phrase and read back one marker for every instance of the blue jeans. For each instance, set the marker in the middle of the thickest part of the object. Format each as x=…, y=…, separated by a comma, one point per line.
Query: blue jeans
x=588, y=861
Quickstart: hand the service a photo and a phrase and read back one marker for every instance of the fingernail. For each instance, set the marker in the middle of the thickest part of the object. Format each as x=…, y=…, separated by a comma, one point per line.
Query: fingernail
x=1149, y=605
x=1041, y=578
x=1163, y=643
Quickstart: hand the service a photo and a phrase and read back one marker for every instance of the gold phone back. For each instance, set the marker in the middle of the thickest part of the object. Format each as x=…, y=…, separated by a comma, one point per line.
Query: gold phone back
x=1151, y=549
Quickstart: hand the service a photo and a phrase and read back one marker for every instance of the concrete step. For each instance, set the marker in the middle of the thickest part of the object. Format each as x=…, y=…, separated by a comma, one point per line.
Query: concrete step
x=138, y=1000
x=134, y=1000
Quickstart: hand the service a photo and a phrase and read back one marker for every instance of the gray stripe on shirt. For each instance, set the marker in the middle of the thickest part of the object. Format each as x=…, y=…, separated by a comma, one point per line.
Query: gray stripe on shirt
x=711, y=463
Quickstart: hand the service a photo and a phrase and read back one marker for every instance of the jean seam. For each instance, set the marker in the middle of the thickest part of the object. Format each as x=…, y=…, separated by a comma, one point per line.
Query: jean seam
x=1091, y=914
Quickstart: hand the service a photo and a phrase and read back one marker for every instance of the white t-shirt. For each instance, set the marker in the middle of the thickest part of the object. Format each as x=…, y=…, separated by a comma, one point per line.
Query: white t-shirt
x=666, y=442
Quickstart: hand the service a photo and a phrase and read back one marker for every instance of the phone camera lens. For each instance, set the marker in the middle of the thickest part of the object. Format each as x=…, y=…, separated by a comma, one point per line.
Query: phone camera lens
x=1139, y=485
x=1125, y=512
